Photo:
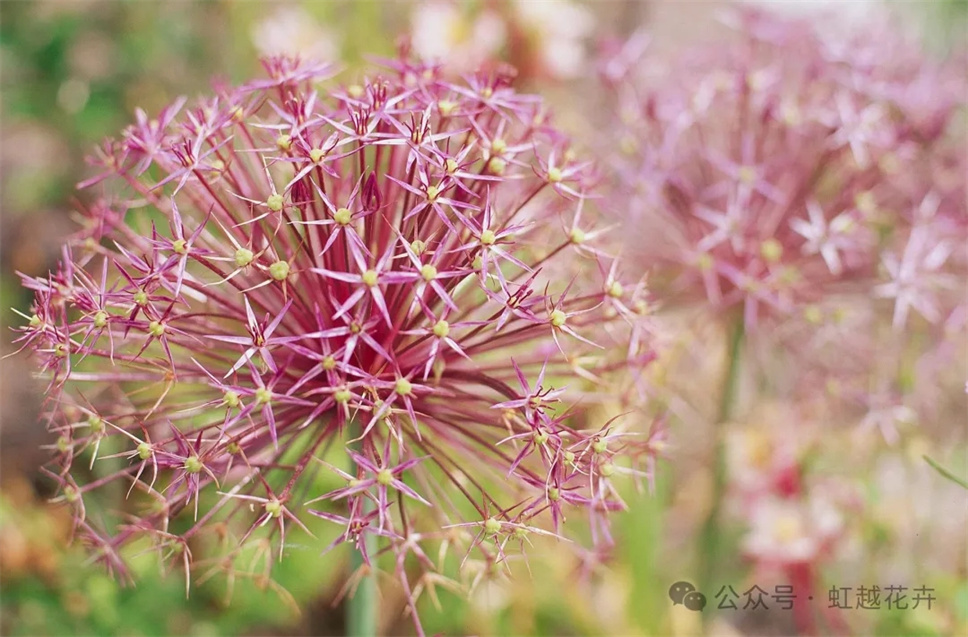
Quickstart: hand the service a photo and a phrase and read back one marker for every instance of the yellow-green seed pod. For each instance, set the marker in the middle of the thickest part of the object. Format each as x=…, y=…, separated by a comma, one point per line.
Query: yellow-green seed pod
x=243, y=257
x=193, y=464
x=441, y=329
x=275, y=202
x=428, y=272
x=156, y=329
x=274, y=508
x=279, y=270
x=403, y=387
x=231, y=398
x=96, y=423
x=343, y=216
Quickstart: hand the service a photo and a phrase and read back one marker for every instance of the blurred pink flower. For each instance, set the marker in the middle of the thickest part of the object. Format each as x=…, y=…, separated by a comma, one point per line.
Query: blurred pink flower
x=443, y=30
x=291, y=30
x=557, y=31
x=541, y=39
x=769, y=173
x=786, y=531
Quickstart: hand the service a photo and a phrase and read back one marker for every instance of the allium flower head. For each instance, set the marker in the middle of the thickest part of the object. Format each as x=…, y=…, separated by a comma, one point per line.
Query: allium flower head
x=284, y=272
x=792, y=163
x=797, y=516
x=541, y=39
x=789, y=531
x=444, y=30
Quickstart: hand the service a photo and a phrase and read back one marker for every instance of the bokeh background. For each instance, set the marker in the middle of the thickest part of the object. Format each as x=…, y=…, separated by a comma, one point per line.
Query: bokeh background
x=74, y=71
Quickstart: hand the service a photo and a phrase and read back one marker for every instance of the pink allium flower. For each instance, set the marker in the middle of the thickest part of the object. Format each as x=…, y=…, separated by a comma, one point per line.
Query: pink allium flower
x=290, y=28
x=758, y=462
x=791, y=164
x=443, y=30
x=796, y=516
x=277, y=274
x=550, y=37
x=541, y=39
x=785, y=531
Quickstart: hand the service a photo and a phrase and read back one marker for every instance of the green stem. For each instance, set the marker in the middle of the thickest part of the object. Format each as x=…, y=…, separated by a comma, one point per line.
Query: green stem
x=947, y=474
x=728, y=397
x=710, y=535
x=361, y=608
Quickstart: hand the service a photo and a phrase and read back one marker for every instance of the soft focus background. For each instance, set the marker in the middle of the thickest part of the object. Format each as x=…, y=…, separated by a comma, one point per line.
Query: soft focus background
x=74, y=71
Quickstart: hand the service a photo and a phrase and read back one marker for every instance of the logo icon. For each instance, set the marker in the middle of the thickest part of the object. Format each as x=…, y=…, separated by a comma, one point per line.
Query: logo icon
x=679, y=590
x=694, y=600
x=686, y=594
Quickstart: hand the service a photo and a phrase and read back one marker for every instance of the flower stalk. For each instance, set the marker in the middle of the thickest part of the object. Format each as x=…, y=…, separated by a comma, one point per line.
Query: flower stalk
x=710, y=535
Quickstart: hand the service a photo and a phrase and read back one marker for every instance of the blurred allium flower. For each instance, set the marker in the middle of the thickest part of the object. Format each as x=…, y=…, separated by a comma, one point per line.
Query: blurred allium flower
x=791, y=537
x=785, y=531
x=759, y=462
x=541, y=39
x=552, y=36
x=774, y=171
x=291, y=29
x=796, y=517
x=276, y=274
x=853, y=13
x=442, y=30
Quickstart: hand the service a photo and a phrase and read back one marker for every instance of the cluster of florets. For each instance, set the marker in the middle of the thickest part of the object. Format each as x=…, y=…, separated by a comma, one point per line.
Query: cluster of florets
x=791, y=165
x=392, y=276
